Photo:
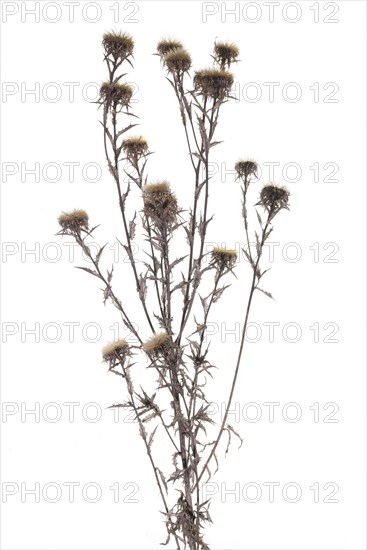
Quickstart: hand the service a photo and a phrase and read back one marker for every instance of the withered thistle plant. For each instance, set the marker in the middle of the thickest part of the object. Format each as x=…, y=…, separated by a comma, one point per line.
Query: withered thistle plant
x=179, y=358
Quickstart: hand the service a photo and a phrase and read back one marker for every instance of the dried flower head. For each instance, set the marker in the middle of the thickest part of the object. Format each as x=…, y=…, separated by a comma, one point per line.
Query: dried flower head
x=225, y=53
x=157, y=344
x=115, y=351
x=246, y=168
x=274, y=197
x=116, y=95
x=177, y=61
x=118, y=45
x=74, y=221
x=135, y=147
x=213, y=83
x=223, y=257
x=160, y=204
x=167, y=45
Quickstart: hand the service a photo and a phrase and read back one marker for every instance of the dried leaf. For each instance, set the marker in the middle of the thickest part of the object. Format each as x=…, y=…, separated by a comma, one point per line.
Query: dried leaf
x=143, y=287
x=151, y=437
x=218, y=293
x=265, y=292
x=235, y=433
x=110, y=274
x=132, y=227
x=176, y=262
x=161, y=475
x=91, y=271
x=214, y=143
x=99, y=253
x=259, y=218
x=204, y=303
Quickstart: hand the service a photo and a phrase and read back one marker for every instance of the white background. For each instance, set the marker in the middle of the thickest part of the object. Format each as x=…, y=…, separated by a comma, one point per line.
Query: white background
x=319, y=289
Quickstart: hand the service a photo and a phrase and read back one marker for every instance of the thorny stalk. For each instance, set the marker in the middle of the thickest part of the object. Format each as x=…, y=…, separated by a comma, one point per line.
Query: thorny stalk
x=114, y=107
x=180, y=360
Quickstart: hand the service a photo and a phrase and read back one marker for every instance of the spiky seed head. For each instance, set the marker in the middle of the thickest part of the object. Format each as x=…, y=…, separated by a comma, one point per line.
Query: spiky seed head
x=135, y=147
x=167, y=45
x=177, y=61
x=158, y=187
x=246, y=168
x=116, y=94
x=115, y=350
x=274, y=197
x=160, y=204
x=213, y=83
x=225, y=53
x=223, y=257
x=74, y=221
x=119, y=45
x=157, y=344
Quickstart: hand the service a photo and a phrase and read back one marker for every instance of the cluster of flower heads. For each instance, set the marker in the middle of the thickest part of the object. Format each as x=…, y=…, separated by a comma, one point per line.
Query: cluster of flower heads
x=175, y=58
x=214, y=83
x=115, y=353
x=160, y=204
x=223, y=258
x=272, y=197
x=118, y=46
x=116, y=95
x=74, y=221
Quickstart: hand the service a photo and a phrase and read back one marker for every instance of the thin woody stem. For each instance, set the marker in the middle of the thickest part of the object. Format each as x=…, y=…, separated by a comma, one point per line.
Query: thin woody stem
x=244, y=328
x=210, y=134
x=193, y=232
x=144, y=437
x=122, y=198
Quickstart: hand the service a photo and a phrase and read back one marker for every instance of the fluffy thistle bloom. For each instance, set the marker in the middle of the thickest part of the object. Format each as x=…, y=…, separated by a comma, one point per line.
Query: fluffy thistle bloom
x=167, y=45
x=115, y=351
x=274, y=197
x=157, y=344
x=160, y=204
x=225, y=53
x=118, y=45
x=246, y=168
x=223, y=257
x=74, y=221
x=213, y=83
x=135, y=147
x=177, y=61
x=116, y=94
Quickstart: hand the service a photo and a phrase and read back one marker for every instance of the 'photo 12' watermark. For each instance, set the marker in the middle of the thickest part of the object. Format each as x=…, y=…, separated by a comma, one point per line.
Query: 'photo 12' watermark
x=270, y=12
x=70, y=12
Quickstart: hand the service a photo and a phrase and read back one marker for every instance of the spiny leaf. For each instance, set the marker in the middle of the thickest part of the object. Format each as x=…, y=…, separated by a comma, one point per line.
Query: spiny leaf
x=176, y=262
x=151, y=437
x=235, y=433
x=265, y=292
x=259, y=218
x=132, y=227
x=99, y=254
x=163, y=479
x=91, y=271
